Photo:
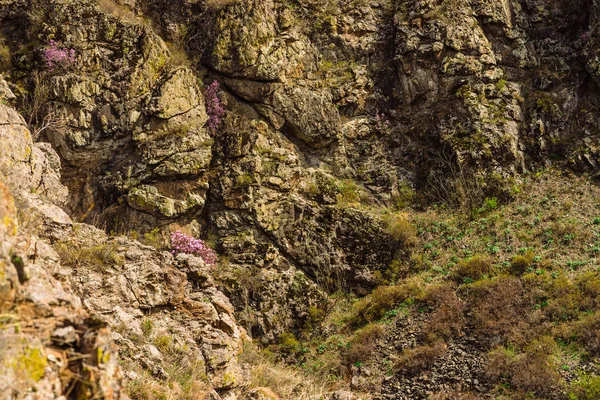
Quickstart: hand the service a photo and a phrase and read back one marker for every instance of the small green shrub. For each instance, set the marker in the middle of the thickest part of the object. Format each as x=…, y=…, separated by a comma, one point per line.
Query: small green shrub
x=401, y=229
x=489, y=204
x=521, y=263
x=384, y=298
x=288, y=343
x=587, y=387
x=154, y=238
x=349, y=193
x=472, y=269
x=147, y=326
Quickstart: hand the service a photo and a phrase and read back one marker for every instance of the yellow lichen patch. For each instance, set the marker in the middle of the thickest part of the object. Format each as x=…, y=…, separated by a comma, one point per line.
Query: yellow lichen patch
x=8, y=212
x=30, y=364
x=103, y=356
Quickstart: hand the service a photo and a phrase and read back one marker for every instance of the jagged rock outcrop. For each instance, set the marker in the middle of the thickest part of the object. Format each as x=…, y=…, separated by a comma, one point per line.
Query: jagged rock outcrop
x=163, y=308
x=55, y=306
x=50, y=348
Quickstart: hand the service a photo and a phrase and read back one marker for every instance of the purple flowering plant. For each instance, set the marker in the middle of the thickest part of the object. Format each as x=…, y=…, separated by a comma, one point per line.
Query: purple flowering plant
x=381, y=121
x=214, y=107
x=57, y=56
x=182, y=243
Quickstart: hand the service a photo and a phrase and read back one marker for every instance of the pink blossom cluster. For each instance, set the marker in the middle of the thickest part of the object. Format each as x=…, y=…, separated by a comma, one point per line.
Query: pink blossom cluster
x=182, y=243
x=381, y=121
x=214, y=107
x=57, y=56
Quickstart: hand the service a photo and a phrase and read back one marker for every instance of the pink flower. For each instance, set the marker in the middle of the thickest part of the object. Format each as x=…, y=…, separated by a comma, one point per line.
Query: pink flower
x=57, y=56
x=214, y=107
x=182, y=243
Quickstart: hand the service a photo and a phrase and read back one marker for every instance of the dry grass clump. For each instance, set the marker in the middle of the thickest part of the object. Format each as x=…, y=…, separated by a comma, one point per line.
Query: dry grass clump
x=521, y=263
x=564, y=299
x=533, y=371
x=186, y=381
x=589, y=284
x=586, y=333
x=118, y=10
x=5, y=56
x=401, y=229
x=413, y=361
x=285, y=381
x=447, y=318
x=218, y=4
x=101, y=256
x=362, y=346
x=185, y=370
x=500, y=309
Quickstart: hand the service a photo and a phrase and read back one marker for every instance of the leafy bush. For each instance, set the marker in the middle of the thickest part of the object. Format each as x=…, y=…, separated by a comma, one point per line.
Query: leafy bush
x=182, y=243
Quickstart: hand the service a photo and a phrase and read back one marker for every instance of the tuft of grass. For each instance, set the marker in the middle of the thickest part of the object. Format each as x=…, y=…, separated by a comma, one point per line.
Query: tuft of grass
x=521, y=263
x=362, y=345
x=415, y=360
x=401, y=229
x=164, y=343
x=101, y=256
x=286, y=381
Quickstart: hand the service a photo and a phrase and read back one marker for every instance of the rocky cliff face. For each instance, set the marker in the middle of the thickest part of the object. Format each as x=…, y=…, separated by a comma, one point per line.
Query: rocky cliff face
x=338, y=115
x=62, y=284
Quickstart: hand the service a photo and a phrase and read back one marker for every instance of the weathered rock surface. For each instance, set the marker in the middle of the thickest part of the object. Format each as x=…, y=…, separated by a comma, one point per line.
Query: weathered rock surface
x=49, y=347
x=334, y=111
x=54, y=307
